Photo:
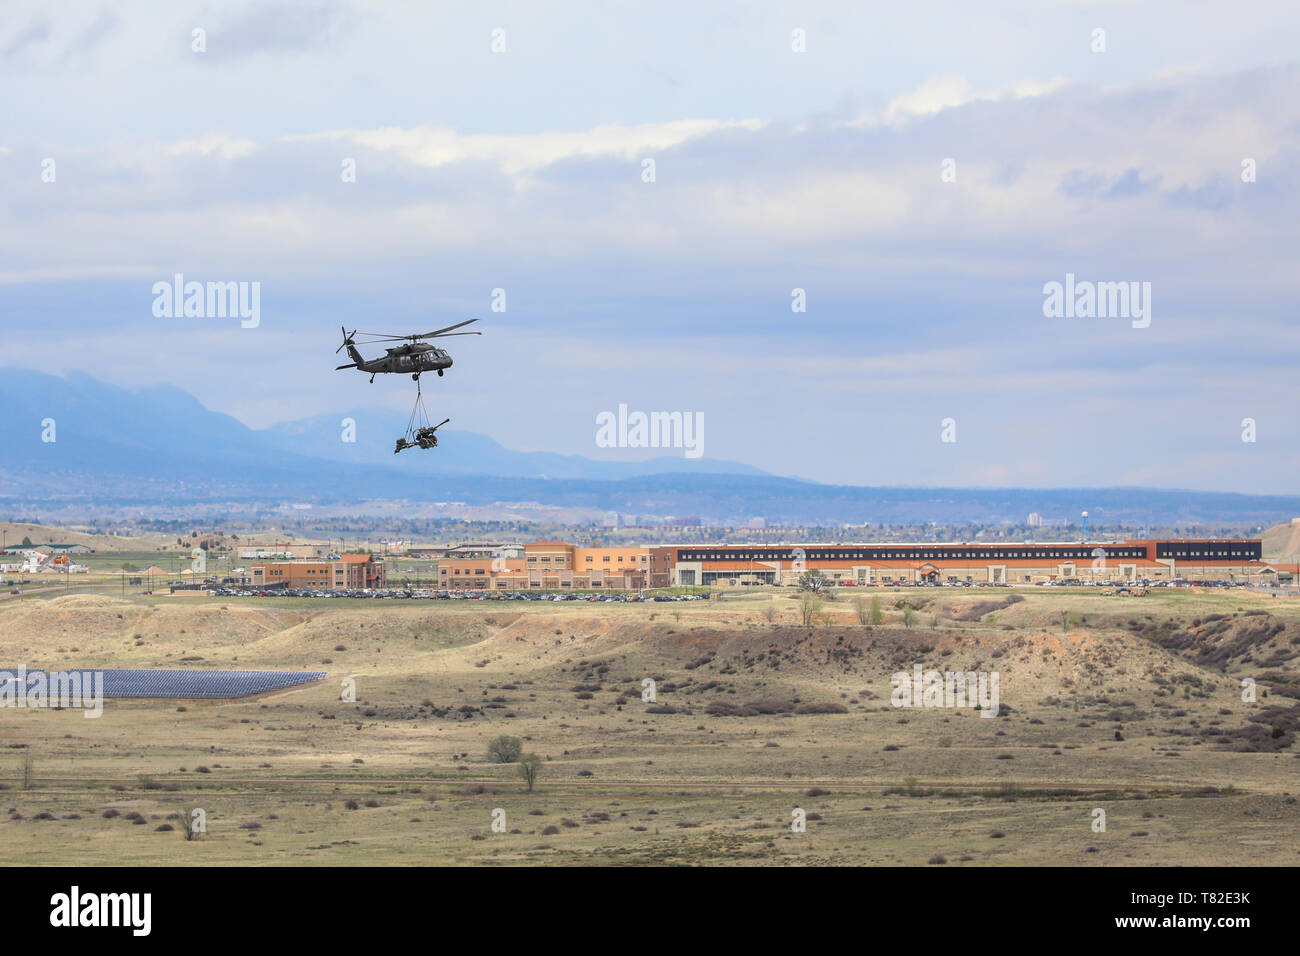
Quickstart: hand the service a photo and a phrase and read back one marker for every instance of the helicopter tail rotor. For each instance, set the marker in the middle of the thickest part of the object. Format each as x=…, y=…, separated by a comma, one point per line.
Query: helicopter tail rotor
x=347, y=339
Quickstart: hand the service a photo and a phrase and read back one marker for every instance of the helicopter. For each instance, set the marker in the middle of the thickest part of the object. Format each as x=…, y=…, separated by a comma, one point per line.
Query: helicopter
x=414, y=356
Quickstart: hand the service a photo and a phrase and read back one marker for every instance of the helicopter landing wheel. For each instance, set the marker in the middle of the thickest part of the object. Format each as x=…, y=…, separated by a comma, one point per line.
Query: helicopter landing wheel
x=439, y=373
x=415, y=377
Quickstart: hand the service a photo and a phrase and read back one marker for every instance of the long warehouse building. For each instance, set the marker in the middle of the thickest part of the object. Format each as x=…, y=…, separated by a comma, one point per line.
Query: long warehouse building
x=952, y=563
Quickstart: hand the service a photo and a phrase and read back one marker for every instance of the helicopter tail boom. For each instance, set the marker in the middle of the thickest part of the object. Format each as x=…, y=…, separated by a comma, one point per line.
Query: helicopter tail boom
x=357, y=359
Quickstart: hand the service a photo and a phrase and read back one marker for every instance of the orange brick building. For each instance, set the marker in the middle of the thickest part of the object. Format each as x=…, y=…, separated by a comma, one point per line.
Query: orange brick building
x=353, y=572
x=550, y=565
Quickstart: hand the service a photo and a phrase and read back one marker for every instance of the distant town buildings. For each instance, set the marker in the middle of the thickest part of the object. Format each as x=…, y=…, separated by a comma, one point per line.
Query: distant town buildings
x=1035, y=520
x=45, y=559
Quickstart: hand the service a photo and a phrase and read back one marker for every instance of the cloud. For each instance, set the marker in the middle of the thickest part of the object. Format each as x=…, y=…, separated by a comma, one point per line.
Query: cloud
x=239, y=30
x=34, y=32
x=434, y=147
x=923, y=296
x=946, y=92
x=213, y=144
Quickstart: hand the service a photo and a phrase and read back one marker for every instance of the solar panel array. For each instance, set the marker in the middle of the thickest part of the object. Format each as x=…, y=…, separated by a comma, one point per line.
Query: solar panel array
x=191, y=683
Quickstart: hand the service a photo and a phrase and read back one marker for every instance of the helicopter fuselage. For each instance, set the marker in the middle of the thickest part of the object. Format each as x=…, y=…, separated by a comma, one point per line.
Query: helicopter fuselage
x=411, y=360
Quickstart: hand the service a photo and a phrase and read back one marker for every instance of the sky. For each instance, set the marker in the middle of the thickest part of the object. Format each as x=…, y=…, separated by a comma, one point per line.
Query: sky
x=921, y=172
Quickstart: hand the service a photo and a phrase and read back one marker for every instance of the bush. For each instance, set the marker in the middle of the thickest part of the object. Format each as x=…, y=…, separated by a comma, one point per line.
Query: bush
x=505, y=749
x=821, y=708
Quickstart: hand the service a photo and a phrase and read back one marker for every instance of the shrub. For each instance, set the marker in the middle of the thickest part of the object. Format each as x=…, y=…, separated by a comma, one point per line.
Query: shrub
x=505, y=749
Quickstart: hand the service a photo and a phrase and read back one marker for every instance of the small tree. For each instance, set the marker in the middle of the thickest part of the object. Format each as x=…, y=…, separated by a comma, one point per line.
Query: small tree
x=188, y=823
x=505, y=749
x=877, y=615
x=909, y=616
x=861, y=609
x=529, y=766
x=808, y=608
x=813, y=581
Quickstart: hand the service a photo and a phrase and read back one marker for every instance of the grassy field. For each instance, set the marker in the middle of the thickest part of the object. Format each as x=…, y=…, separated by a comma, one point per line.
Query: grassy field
x=1129, y=705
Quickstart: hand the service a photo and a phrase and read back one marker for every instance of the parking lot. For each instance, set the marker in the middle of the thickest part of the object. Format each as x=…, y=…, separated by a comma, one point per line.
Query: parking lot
x=425, y=594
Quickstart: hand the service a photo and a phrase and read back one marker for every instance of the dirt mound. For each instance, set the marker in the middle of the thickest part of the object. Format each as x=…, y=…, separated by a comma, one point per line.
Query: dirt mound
x=1246, y=642
x=749, y=671
x=44, y=534
x=98, y=629
x=1281, y=543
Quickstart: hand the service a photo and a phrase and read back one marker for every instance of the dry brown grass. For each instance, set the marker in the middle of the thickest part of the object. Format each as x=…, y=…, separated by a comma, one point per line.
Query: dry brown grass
x=673, y=783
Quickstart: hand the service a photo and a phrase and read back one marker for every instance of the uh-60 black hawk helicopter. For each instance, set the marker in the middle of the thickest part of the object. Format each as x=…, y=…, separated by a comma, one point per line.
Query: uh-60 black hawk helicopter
x=413, y=357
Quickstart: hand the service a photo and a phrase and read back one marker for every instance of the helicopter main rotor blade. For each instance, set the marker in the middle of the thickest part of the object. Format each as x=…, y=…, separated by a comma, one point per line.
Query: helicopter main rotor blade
x=436, y=332
x=372, y=337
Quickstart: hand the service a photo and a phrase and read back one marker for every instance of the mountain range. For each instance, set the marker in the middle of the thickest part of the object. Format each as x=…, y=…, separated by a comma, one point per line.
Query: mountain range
x=161, y=445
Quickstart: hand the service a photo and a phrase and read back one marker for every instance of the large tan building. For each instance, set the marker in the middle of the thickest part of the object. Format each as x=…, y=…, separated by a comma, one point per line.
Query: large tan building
x=550, y=565
x=351, y=572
